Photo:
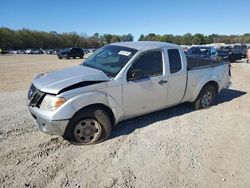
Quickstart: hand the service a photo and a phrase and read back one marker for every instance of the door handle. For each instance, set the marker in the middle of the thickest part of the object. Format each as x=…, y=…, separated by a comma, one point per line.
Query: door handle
x=161, y=82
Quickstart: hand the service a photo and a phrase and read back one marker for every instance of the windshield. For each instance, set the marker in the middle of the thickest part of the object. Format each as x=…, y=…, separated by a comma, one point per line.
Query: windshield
x=110, y=59
x=199, y=51
x=224, y=49
x=65, y=50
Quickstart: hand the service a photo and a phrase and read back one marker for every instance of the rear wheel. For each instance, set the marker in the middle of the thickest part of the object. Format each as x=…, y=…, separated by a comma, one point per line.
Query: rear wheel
x=205, y=98
x=88, y=126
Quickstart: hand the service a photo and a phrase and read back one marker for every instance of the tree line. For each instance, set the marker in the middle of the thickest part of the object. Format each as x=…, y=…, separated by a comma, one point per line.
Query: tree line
x=197, y=39
x=25, y=38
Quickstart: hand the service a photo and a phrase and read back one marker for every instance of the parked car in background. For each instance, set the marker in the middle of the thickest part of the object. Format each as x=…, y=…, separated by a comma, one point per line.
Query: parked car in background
x=13, y=52
x=85, y=50
x=225, y=53
x=236, y=51
x=28, y=51
x=244, y=51
x=203, y=52
x=20, y=51
x=33, y=51
x=229, y=54
x=51, y=51
x=70, y=52
x=37, y=51
x=89, y=52
x=120, y=81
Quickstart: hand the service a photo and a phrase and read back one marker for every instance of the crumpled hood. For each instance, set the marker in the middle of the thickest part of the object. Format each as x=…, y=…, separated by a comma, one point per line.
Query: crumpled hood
x=54, y=82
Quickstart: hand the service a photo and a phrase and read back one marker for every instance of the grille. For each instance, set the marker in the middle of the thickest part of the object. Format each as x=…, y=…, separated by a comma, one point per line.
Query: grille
x=35, y=96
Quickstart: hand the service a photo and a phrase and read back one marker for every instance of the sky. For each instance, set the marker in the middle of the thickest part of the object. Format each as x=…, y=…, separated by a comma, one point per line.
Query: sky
x=128, y=16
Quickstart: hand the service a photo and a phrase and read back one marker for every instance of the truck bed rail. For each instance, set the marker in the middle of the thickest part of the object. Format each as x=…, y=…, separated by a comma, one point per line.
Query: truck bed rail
x=194, y=63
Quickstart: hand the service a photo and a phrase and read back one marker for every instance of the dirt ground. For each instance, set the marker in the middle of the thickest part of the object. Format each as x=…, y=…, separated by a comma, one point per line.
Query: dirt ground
x=176, y=147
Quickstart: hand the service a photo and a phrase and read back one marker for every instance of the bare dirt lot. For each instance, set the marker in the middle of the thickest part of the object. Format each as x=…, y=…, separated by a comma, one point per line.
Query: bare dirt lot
x=176, y=147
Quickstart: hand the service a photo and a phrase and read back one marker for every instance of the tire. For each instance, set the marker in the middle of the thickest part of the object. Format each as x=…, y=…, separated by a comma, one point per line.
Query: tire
x=81, y=56
x=88, y=126
x=60, y=57
x=206, y=97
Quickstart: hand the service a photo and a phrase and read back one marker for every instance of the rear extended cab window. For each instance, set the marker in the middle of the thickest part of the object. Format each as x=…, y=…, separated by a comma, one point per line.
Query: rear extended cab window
x=174, y=60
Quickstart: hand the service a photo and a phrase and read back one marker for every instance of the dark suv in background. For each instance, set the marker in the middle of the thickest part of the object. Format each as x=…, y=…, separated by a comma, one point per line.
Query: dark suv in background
x=229, y=53
x=70, y=52
x=242, y=48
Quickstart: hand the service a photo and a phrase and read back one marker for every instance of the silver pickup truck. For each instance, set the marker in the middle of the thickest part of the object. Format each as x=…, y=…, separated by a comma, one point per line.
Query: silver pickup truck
x=121, y=81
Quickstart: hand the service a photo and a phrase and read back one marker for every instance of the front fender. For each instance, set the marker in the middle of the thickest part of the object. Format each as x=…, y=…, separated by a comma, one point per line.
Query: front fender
x=74, y=104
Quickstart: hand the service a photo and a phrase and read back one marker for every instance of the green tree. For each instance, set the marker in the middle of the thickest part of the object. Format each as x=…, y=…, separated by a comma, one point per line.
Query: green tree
x=187, y=39
x=107, y=38
x=167, y=38
x=128, y=37
x=152, y=37
x=115, y=38
x=141, y=38
x=198, y=39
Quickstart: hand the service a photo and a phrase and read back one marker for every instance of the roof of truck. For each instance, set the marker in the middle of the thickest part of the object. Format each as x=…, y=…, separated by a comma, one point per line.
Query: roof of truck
x=145, y=45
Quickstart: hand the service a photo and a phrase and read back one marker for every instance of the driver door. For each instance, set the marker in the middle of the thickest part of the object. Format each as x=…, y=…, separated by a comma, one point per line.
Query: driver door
x=145, y=88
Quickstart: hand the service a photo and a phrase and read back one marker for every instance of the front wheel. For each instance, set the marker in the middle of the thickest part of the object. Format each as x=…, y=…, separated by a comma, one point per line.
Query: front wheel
x=88, y=126
x=205, y=98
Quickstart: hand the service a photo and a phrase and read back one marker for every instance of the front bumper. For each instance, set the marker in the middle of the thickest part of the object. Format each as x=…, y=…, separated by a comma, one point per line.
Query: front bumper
x=46, y=125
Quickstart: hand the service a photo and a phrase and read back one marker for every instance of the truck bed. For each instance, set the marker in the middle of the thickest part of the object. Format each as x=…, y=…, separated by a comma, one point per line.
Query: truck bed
x=194, y=63
x=200, y=70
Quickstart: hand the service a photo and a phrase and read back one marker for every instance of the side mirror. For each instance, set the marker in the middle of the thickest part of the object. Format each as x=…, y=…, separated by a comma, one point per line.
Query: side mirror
x=135, y=75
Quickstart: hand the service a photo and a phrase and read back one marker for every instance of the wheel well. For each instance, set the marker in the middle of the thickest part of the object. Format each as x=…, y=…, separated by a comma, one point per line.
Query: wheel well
x=213, y=83
x=104, y=107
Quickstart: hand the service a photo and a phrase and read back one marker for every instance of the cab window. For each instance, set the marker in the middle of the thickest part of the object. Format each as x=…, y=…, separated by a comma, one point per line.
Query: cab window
x=174, y=60
x=148, y=65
